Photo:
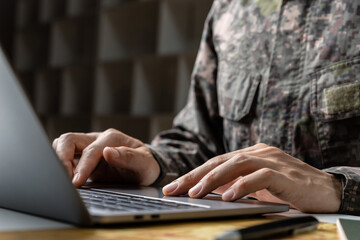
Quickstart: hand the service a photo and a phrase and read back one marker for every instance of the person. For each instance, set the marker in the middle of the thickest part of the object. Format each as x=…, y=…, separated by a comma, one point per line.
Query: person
x=273, y=112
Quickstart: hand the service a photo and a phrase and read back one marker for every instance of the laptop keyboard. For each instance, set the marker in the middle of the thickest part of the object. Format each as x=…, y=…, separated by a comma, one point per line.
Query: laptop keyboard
x=127, y=202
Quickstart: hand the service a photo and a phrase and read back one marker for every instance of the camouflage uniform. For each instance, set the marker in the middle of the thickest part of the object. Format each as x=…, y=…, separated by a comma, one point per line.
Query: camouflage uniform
x=285, y=73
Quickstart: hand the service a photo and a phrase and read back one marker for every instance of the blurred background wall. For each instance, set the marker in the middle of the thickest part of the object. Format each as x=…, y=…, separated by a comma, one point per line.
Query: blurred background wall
x=88, y=65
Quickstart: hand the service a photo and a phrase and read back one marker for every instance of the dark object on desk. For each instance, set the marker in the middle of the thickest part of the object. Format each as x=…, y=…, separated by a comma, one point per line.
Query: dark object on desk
x=348, y=229
x=283, y=227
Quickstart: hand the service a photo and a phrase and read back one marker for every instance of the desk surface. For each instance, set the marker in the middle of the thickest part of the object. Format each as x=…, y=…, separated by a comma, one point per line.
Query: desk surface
x=14, y=225
x=185, y=230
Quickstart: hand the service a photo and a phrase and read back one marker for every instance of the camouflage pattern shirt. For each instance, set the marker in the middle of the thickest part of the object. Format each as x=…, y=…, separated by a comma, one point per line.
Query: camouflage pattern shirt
x=284, y=73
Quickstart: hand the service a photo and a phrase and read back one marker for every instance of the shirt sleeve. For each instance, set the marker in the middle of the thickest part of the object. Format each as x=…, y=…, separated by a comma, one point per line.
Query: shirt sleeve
x=197, y=132
x=350, y=177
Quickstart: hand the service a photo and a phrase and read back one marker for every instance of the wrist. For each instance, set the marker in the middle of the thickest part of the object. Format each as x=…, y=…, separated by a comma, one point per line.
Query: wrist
x=159, y=158
x=153, y=169
x=338, y=188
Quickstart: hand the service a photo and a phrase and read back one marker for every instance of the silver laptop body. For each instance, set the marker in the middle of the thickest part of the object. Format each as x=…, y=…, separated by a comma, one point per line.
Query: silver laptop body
x=33, y=180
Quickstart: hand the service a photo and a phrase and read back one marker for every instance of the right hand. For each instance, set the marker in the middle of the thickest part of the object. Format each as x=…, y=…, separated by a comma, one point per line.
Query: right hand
x=109, y=156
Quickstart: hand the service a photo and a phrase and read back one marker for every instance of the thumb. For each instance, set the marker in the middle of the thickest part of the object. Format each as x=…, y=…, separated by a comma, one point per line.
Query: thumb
x=139, y=161
x=118, y=156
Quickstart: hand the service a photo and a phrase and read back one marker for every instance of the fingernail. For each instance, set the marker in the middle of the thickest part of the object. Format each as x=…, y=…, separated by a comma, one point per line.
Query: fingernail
x=113, y=151
x=75, y=178
x=195, y=190
x=170, y=187
x=228, y=195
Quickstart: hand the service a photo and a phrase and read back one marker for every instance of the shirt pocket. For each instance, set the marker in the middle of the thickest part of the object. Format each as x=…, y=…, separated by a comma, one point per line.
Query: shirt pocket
x=236, y=93
x=335, y=105
x=236, y=96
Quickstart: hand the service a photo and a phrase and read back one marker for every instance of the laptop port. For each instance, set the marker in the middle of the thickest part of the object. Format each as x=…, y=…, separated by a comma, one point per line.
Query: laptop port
x=138, y=217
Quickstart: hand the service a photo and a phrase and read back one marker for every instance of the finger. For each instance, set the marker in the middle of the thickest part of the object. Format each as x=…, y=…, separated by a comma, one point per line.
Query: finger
x=67, y=163
x=68, y=145
x=265, y=178
x=91, y=156
x=54, y=144
x=220, y=190
x=104, y=173
x=136, y=161
x=187, y=181
x=124, y=160
x=93, y=153
x=122, y=157
x=184, y=183
x=239, y=165
x=89, y=160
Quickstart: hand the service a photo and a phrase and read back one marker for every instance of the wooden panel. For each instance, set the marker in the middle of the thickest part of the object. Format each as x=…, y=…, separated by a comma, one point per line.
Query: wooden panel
x=47, y=91
x=113, y=87
x=128, y=30
x=154, y=85
x=73, y=41
x=51, y=10
x=76, y=90
x=31, y=48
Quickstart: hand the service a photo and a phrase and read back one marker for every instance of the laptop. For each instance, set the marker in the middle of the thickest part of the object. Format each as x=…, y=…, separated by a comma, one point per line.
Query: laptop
x=34, y=181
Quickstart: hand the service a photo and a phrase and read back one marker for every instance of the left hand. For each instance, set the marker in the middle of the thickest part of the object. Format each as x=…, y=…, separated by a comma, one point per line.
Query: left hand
x=266, y=173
